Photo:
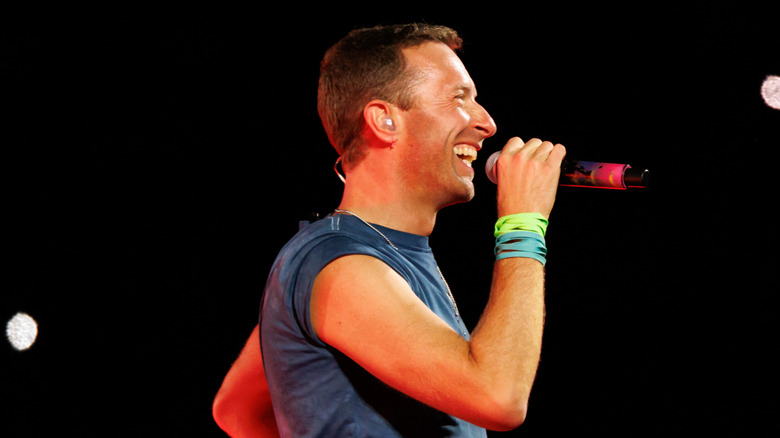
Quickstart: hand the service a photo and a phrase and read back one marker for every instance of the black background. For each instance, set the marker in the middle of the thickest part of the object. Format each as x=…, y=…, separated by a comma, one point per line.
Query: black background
x=154, y=165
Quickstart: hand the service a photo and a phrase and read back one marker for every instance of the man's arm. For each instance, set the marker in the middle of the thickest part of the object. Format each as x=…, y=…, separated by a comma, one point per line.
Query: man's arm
x=242, y=407
x=400, y=341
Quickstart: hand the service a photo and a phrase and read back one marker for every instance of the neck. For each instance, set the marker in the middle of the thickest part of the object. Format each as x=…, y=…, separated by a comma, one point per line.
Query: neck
x=381, y=201
x=420, y=227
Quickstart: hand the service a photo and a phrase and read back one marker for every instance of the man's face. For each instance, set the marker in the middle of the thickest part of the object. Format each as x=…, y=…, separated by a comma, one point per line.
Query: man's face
x=445, y=127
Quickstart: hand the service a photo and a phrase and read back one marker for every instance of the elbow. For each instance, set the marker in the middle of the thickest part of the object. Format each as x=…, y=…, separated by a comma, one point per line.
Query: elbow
x=500, y=402
x=226, y=412
x=503, y=410
x=219, y=411
x=509, y=416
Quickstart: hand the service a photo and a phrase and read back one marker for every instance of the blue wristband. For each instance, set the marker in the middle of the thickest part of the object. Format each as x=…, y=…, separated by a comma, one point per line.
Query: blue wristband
x=526, y=244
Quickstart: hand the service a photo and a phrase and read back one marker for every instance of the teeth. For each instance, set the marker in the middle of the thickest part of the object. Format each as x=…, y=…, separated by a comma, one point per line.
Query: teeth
x=466, y=153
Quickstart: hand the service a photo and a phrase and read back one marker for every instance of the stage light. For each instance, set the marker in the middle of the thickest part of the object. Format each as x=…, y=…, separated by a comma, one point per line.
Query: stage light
x=770, y=91
x=21, y=331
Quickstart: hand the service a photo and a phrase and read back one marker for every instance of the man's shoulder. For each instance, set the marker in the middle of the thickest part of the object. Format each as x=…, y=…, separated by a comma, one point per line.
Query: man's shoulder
x=318, y=243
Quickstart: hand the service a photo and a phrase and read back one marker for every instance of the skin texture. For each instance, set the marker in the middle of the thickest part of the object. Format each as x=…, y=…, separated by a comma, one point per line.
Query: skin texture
x=408, y=174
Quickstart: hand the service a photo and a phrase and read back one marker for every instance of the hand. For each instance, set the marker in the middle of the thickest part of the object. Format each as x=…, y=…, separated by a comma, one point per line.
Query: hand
x=528, y=175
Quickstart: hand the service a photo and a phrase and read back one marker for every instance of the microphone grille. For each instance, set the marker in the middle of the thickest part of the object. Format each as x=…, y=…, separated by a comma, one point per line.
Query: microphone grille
x=490, y=167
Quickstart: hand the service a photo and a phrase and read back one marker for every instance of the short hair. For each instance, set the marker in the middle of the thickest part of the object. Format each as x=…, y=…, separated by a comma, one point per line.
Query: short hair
x=368, y=64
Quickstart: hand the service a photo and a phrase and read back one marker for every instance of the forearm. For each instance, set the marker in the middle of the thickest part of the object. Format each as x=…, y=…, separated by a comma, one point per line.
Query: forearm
x=507, y=341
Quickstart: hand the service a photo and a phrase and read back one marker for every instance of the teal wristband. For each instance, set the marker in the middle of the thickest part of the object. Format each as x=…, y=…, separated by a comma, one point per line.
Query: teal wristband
x=534, y=222
x=526, y=244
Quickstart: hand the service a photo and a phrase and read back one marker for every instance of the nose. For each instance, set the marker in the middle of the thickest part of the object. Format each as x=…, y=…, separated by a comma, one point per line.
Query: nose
x=483, y=122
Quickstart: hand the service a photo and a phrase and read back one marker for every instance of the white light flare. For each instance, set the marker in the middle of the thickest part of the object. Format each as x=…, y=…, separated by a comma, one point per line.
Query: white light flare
x=770, y=91
x=21, y=331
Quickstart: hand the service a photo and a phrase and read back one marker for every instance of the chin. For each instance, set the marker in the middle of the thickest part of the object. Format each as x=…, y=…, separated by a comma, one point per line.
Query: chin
x=469, y=197
x=464, y=194
x=470, y=189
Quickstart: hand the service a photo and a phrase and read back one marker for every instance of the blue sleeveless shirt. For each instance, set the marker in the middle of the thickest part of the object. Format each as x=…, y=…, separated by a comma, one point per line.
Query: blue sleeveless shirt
x=316, y=390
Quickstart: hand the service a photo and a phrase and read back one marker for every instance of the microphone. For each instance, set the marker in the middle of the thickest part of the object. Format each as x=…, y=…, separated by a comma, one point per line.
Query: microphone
x=589, y=174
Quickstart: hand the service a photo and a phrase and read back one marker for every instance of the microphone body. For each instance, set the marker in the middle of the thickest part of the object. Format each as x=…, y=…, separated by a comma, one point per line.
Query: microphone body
x=589, y=174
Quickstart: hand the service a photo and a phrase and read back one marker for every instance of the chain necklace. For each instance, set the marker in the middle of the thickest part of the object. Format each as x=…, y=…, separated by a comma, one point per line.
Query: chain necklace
x=369, y=225
x=449, y=292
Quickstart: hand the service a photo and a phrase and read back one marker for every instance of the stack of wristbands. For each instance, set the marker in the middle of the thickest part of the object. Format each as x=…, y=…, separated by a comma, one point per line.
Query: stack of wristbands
x=521, y=235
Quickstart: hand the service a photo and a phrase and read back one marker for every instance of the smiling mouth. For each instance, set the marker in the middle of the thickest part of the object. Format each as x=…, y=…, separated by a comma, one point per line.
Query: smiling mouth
x=466, y=153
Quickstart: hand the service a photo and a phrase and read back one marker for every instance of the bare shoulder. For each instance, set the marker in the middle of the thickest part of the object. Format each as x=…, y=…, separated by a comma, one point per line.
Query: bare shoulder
x=353, y=288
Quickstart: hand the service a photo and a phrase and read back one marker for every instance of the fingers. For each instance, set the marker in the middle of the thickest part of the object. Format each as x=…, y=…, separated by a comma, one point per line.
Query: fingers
x=528, y=176
x=539, y=150
x=513, y=145
x=558, y=153
x=545, y=151
x=535, y=149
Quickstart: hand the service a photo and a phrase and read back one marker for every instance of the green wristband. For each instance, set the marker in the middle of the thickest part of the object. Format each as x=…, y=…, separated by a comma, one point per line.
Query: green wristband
x=534, y=222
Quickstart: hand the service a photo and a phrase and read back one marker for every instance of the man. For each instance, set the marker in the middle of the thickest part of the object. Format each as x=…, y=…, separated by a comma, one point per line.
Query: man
x=360, y=335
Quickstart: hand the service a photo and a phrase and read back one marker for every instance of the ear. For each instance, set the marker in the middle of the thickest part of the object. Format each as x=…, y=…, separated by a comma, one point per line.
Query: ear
x=381, y=120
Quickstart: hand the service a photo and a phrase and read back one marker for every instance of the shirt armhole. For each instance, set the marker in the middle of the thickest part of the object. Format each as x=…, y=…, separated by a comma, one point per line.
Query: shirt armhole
x=311, y=265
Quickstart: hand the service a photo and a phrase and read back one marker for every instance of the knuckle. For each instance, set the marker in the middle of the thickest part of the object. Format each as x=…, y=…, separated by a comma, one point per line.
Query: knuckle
x=513, y=144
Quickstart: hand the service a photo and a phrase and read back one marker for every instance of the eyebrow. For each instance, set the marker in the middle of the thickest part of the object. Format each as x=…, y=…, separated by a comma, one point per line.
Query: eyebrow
x=468, y=89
